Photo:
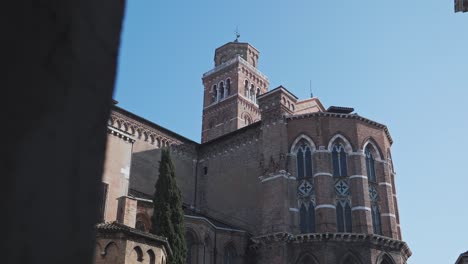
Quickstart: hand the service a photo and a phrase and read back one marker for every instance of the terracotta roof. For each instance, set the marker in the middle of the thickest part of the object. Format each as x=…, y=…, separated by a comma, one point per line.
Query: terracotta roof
x=115, y=227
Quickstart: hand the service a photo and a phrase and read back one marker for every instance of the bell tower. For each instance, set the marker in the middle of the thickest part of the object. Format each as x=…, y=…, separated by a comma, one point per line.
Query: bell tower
x=231, y=89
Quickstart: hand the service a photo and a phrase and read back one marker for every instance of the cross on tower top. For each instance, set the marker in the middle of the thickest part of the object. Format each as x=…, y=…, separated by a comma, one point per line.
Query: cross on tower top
x=237, y=35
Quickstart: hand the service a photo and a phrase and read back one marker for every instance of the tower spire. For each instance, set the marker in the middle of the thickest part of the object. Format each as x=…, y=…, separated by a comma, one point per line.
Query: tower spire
x=237, y=35
x=310, y=87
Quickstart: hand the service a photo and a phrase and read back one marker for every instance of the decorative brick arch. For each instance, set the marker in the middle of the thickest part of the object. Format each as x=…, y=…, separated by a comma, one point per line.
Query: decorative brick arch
x=298, y=139
x=376, y=149
x=306, y=258
x=348, y=146
x=385, y=258
x=351, y=258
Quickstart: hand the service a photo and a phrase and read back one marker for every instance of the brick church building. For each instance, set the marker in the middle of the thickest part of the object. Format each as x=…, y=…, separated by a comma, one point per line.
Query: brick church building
x=275, y=179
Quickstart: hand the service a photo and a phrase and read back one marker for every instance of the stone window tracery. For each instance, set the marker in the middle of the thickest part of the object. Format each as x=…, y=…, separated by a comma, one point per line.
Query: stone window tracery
x=305, y=186
x=343, y=216
x=370, y=153
x=228, y=87
x=370, y=164
x=214, y=92
x=229, y=254
x=339, y=160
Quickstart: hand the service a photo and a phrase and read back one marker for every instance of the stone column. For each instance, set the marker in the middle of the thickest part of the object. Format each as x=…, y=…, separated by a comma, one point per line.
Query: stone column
x=359, y=188
x=387, y=208
x=325, y=209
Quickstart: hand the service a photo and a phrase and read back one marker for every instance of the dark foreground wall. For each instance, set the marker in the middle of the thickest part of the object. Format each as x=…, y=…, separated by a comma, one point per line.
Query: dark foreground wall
x=59, y=61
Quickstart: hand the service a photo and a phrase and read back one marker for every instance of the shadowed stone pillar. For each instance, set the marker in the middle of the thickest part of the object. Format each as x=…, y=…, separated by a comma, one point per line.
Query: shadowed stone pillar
x=60, y=61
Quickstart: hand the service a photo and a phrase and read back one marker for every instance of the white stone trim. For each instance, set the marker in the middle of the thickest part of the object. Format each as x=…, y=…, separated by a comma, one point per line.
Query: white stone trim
x=322, y=151
x=360, y=208
x=116, y=130
x=348, y=148
x=296, y=210
x=307, y=138
x=272, y=177
x=357, y=153
x=323, y=174
x=332, y=206
x=376, y=149
x=213, y=225
x=390, y=215
x=385, y=183
x=358, y=177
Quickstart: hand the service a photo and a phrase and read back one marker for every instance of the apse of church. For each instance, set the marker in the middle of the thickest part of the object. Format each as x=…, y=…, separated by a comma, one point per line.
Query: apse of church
x=276, y=179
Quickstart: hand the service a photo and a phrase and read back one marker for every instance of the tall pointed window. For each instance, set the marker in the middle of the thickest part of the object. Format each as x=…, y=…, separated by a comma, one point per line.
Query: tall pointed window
x=252, y=92
x=221, y=90
x=214, y=96
x=305, y=186
x=229, y=254
x=303, y=225
x=340, y=165
x=376, y=224
x=304, y=160
x=246, y=89
x=343, y=217
x=228, y=88
x=370, y=164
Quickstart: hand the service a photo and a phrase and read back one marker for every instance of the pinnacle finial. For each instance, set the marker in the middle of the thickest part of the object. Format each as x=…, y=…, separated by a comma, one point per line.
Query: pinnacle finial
x=237, y=35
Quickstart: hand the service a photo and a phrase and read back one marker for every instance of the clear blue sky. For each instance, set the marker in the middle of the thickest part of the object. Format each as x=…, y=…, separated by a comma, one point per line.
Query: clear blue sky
x=402, y=63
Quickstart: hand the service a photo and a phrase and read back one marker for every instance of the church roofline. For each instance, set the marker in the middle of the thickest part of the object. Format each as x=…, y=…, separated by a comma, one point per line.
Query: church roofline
x=348, y=116
x=239, y=59
x=153, y=125
x=278, y=89
x=115, y=227
x=236, y=43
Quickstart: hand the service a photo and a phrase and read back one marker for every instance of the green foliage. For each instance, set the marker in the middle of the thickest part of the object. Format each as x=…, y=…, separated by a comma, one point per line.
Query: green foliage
x=168, y=216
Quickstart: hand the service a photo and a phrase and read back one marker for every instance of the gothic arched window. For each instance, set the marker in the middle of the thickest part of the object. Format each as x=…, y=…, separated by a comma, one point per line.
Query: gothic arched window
x=303, y=225
x=228, y=87
x=304, y=160
x=229, y=253
x=307, y=218
x=214, y=96
x=252, y=92
x=246, y=89
x=343, y=217
x=221, y=90
x=340, y=165
x=370, y=164
x=376, y=223
x=190, y=242
x=257, y=94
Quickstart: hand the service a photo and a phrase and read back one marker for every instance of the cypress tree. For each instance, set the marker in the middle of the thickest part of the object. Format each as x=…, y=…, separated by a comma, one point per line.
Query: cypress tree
x=168, y=216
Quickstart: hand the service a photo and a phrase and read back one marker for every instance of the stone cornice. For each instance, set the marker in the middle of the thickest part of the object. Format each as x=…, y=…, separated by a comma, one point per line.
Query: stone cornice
x=376, y=240
x=346, y=116
x=127, y=125
x=118, y=133
x=230, y=62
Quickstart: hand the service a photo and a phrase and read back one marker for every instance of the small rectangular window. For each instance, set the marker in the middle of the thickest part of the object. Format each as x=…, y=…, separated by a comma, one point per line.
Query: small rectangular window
x=205, y=170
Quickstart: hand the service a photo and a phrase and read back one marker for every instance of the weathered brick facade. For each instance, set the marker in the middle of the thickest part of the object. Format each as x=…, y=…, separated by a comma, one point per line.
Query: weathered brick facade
x=275, y=180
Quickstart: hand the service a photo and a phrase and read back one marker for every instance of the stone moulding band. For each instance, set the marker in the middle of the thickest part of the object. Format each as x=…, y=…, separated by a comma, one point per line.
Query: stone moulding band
x=360, y=208
x=390, y=215
x=296, y=210
x=358, y=177
x=283, y=174
x=385, y=183
x=323, y=174
x=331, y=206
x=282, y=237
x=213, y=225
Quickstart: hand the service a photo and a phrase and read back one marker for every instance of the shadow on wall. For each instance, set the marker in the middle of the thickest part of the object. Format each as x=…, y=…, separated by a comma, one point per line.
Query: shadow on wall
x=144, y=173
